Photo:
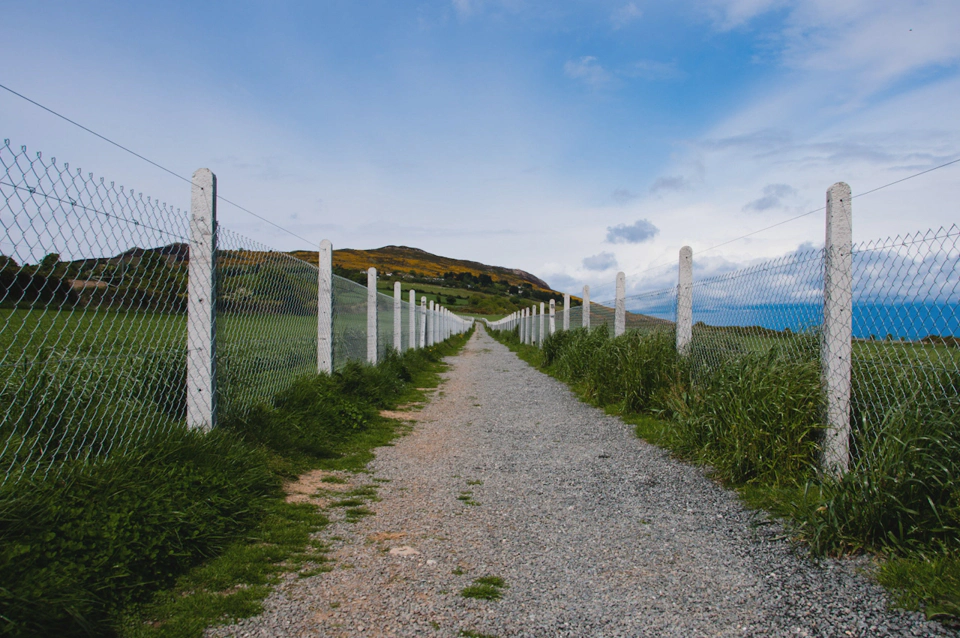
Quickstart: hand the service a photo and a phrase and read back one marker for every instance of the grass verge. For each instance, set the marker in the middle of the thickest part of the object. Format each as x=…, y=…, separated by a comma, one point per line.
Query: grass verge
x=191, y=529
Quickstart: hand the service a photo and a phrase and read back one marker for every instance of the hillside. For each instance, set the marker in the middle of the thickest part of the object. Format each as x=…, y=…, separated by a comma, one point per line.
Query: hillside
x=414, y=262
x=261, y=281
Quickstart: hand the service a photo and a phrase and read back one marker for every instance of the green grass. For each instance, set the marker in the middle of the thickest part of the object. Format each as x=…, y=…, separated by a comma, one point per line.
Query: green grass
x=749, y=407
x=485, y=588
x=183, y=530
x=232, y=585
x=927, y=584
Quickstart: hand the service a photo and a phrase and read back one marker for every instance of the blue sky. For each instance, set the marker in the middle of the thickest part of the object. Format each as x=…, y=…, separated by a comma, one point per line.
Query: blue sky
x=567, y=138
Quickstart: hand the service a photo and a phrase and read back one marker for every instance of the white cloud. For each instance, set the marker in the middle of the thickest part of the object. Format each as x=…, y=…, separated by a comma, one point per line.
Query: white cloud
x=870, y=43
x=773, y=196
x=730, y=14
x=589, y=71
x=638, y=232
x=625, y=15
x=601, y=261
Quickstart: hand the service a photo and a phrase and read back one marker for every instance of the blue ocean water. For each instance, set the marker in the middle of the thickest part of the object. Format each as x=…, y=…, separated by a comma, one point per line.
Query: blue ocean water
x=908, y=320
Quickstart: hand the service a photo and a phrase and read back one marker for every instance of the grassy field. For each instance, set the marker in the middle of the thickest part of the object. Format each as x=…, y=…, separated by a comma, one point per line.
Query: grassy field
x=123, y=374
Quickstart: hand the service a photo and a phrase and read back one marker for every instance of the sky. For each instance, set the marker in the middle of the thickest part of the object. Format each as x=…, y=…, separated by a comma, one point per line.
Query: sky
x=568, y=138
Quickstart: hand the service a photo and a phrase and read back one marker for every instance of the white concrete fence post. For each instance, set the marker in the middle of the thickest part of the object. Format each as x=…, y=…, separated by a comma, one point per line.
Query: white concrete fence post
x=372, y=316
x=553, y=316
x=325, y=308
x=430, y=322
x=531, y=321
x=620, y=311
x=202, y=303
x=412, y=307
x=523, y=325
x=423, y=322
x=685, y=301
x=835, y=356
x=566, y=311
x=585, y=319
x=397, y=317
x=541, y=333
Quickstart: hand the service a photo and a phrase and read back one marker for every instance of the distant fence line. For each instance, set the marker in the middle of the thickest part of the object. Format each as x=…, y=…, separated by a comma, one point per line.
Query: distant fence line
x=121, y=316
x=883, y=312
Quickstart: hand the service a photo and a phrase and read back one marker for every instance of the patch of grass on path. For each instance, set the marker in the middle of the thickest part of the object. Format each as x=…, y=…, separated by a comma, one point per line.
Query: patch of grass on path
x=485, y=588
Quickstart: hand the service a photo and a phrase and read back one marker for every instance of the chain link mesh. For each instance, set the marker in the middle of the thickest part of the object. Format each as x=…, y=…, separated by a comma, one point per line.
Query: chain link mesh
x=905, y=322
x=576, y=318
x=93, y=323
x=349, y=322
x=266, y=321
x=774, y=303
x=906, y=325
x=648, y=311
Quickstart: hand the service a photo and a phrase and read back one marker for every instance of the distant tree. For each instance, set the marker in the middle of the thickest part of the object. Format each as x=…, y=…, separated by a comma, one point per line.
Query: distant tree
x=48, y=263
x=486, y=280
x=8, y=262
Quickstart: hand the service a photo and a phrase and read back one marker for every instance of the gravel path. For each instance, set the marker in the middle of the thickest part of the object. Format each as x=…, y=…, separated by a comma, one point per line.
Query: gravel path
x=595, y=532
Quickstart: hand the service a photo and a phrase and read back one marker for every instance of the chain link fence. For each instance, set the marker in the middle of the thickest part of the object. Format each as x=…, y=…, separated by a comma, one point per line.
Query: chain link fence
x=93, y=317
x=93, y=286
x=906, y=320
x=903, y=343
x=266, y=321
x=778, y=303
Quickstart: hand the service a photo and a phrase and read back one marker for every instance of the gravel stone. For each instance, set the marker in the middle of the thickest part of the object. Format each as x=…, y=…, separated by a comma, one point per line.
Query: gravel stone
x=595, y=532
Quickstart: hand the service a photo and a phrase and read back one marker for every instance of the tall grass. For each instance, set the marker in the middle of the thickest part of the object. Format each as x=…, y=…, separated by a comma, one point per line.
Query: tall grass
x=631, y=373
x=902, y=493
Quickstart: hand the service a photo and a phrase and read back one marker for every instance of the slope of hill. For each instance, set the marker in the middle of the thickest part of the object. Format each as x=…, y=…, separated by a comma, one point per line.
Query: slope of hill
x=404, y=261
x=157, y=278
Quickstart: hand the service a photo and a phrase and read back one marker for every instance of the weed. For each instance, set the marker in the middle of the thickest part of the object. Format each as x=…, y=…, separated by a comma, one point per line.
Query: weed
x=928, y=584
x=485, y=588
x=354, y=514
